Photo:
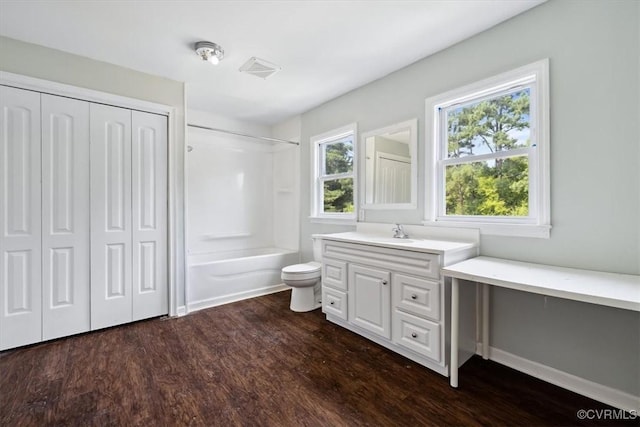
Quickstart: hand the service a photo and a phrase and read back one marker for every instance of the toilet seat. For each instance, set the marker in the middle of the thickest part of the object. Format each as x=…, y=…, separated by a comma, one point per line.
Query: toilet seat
x=302, y=268
x=310, y=270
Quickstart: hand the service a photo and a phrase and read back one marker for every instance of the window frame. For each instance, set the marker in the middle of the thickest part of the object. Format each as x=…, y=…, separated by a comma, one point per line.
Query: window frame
x=537, y=223
x=318, y=177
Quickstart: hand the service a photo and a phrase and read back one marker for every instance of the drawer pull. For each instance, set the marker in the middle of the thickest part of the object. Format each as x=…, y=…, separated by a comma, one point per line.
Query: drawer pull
x=332, y=302
x=384, y=282
x=414, y=296
x=414, y=335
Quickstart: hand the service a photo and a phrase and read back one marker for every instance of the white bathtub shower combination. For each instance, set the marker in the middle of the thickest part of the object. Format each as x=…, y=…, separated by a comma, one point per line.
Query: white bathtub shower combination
x=220, y=278
x=242, y=216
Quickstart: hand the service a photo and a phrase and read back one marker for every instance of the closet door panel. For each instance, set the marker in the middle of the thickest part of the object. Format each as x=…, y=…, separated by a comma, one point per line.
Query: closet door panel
x=20, y=218
x=111, y=245
x=65, y=217
x=149, y=212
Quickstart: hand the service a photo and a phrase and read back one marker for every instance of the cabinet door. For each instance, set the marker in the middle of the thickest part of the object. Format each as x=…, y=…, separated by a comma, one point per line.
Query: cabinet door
x=111, y=299
x=20, y=218
x=370, y=299
x=65, y=217
x=149, y=211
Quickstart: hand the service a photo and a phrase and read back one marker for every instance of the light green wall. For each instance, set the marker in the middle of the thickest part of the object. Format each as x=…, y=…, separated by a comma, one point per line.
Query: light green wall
x=593, y=48
x=57, y=66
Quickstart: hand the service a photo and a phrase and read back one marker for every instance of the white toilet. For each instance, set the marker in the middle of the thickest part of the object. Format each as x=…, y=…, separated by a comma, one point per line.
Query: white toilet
x=305, y=281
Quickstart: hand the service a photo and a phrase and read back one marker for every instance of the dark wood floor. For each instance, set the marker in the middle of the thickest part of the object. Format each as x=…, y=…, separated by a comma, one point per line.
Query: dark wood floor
x=255, y=363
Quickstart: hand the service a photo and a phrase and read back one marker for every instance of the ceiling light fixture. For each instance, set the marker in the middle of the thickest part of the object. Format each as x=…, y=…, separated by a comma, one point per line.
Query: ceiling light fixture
x=209, y=51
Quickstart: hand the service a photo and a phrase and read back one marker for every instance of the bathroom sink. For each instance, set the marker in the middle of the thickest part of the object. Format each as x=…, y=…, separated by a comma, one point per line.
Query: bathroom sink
x=421, y=244
x=392, y=240
x=380, y=240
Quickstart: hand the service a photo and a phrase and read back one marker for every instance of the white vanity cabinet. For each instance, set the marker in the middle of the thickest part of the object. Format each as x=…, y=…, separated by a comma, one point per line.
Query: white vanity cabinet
x=391, y=291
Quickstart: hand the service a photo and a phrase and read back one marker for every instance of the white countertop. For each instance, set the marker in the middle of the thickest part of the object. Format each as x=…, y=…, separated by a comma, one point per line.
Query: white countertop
x=417, y=245
x=611, y=289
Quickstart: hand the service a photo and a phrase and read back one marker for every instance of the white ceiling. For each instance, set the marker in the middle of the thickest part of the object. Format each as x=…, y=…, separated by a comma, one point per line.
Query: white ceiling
x=325, y=48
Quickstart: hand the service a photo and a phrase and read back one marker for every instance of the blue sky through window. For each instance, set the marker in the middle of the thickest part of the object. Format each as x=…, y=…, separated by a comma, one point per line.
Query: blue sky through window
x=473, y=128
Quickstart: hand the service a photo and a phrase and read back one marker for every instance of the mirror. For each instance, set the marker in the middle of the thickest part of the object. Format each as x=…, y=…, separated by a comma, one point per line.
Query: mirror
x=390, y=169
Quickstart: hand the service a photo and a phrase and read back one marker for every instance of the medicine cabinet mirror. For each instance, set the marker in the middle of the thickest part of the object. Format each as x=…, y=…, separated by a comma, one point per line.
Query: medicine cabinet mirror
x=390, y=169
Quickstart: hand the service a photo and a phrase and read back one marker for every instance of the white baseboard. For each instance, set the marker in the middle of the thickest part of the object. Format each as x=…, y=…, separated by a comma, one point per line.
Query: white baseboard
x=181, y=311
x=590, y=389
x=226, y=299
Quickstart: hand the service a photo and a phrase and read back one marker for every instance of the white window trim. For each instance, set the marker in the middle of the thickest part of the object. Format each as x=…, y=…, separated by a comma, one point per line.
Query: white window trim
x=539, y=169
x=317, y=215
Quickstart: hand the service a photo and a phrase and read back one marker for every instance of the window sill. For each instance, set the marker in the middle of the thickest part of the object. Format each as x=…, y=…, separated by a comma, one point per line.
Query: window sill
x=494, y=229
x=331, y=220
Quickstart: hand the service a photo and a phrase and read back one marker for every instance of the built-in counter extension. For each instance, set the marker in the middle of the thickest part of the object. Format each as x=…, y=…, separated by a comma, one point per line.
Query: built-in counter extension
x=608, y=289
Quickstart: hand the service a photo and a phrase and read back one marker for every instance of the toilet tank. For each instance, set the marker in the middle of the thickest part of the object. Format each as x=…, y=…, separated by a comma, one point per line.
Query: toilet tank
x=317, y=249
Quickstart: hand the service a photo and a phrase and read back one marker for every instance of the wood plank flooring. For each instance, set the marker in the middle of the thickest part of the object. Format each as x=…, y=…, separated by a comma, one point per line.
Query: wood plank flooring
x=255, y=363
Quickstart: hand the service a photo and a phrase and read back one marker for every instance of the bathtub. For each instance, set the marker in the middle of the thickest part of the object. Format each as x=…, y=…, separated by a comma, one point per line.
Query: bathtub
x=224, y=277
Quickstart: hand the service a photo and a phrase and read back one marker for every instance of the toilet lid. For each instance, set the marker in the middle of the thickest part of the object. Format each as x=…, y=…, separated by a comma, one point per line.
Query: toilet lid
x=302, y=268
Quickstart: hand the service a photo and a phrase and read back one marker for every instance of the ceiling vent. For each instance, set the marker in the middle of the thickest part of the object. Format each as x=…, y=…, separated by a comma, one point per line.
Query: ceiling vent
x=260, y=68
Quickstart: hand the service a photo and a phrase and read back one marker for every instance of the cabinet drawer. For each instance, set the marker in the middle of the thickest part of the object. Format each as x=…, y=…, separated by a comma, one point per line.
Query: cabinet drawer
x=416, y=296
x=419, y=335
x=334, y=274
x=334, y=302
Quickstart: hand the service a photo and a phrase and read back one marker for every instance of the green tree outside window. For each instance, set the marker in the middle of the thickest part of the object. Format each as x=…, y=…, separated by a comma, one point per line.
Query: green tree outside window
x=497, y=186
x=338, y=193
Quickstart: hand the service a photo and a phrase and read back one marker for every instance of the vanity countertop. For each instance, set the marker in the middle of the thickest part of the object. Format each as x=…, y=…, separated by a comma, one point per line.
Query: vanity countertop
x=418, y=244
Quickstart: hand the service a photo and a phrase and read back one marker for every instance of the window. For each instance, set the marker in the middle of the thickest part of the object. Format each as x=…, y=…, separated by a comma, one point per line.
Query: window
x=490, y=162
x=333, y=168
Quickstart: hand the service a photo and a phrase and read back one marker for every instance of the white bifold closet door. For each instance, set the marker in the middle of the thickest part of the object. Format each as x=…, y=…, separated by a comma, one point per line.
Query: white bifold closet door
x=149, y=215
x=128, y=215
x=65, y=217
x=44, y=267
x=83, y=202
x=20, y=218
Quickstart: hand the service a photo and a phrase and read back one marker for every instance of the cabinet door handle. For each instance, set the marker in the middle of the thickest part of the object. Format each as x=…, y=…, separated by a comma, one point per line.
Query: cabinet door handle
x=384, y=282
x=414, y=296
x=414, y=335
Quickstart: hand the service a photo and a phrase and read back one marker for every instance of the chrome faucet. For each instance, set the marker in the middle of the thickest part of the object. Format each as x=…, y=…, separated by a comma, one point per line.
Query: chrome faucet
x=398, y=232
